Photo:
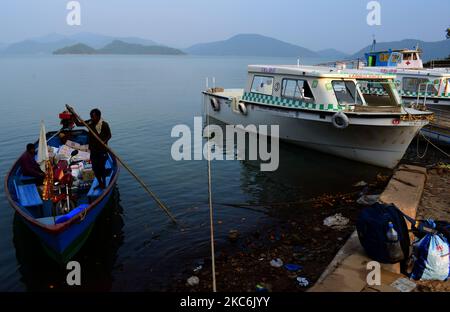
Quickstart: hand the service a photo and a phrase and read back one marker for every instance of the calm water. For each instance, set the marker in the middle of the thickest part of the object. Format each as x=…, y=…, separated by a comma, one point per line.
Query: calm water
x=133, y=246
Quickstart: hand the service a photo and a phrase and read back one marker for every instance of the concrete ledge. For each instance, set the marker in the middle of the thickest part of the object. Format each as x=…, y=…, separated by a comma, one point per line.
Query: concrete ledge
x=350, y=247
x=347, y=272
x=405, y=189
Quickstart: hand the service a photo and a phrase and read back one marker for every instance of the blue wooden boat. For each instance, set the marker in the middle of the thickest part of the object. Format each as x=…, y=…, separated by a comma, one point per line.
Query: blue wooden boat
x=62, y=235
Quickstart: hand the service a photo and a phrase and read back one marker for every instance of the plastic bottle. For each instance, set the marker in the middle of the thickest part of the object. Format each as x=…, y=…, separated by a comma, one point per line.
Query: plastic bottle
x=394, y=247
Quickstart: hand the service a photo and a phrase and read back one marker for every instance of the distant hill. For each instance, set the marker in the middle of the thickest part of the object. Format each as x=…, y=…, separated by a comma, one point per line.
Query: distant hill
x=431, y=50
x=119, y=47
x=98, y=41
x=34, y=47
x=239, y=45
x=49, y=43
x=250, y=45
x=79, y=48
x=53, y=37
x=332, y=54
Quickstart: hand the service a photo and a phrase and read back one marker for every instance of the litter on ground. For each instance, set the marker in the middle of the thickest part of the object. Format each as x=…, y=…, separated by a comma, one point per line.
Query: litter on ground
x=276, y=263
x=193, y=281
x=336, y=222
x=368, y=199
x=302, y=281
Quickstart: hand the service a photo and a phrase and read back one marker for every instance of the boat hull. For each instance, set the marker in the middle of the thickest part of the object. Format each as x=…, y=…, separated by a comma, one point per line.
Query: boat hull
x=373, y=141
x=64, y=245
x=436, y=134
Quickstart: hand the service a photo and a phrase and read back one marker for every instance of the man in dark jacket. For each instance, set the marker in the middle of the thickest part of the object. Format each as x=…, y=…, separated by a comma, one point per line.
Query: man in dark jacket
x=99, y=153
x=29, y=165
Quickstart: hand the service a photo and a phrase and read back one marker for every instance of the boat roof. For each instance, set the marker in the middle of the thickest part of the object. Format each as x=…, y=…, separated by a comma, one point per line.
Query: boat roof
x=317, y=71
x=395, y=50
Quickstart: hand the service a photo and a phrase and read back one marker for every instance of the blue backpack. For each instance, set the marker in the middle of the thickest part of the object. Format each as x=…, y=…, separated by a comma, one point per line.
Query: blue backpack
x=372, y=227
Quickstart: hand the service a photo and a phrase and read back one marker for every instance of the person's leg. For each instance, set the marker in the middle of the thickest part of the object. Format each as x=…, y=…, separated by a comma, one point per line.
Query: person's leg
x=39, y=180
x=102, y=169
x=95, y=167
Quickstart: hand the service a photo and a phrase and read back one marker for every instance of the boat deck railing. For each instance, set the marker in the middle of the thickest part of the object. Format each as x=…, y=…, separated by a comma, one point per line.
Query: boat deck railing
x=343, y=64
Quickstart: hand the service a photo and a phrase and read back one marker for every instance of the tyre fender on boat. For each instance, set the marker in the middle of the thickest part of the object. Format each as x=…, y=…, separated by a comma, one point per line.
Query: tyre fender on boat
x=242, y=108
x=215, y=104
x=340, y=120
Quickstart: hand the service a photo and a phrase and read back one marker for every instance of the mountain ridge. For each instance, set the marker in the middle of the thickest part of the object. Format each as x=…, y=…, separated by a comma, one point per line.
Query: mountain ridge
x=332, y=53
x=238, y=45
x=47, y=44
x=250, y=45
x=118, y=47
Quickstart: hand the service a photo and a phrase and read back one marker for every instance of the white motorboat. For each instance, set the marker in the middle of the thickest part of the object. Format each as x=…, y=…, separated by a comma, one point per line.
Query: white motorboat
x=418, y=86
x=323, y=108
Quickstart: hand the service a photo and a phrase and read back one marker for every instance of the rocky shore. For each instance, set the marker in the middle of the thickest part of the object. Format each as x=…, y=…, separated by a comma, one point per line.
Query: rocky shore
x=303, y=243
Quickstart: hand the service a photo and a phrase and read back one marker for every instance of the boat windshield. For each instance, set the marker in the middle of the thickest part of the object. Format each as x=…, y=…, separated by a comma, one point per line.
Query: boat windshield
x=346, y=92
x=379, y=92
x=415, y=84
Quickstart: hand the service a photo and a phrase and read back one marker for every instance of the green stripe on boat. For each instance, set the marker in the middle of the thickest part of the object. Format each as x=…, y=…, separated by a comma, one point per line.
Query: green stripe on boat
x=379, y=91
x=290, y=103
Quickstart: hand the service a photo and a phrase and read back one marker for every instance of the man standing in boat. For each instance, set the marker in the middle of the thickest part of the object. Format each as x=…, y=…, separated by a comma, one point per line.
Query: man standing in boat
x=99, y=153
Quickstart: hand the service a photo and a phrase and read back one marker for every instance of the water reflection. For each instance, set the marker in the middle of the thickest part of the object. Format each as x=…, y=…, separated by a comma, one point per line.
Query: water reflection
x=97, y=257
x=302, y=173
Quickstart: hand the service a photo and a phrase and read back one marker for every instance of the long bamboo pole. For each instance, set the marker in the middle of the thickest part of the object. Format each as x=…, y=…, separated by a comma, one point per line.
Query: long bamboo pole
x=138, y=179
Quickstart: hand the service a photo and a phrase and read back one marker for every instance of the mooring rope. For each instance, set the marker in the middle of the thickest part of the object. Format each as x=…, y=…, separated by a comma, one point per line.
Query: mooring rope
x=436, y=147
x=417, y=148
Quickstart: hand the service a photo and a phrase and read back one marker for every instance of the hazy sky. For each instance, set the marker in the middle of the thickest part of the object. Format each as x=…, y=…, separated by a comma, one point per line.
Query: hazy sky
x=314, y=24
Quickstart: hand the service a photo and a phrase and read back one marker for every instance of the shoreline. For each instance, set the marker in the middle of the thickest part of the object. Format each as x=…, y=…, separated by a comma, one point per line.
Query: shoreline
x=244, y=265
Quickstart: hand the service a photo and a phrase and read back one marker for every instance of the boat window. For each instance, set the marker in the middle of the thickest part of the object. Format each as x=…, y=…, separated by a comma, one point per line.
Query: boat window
x=372, y=61
x=395, y=57
x=412, y=84
x=263, y=85
x=407, y=56
x=345, y=92
x=379, y=92
x=296, y=89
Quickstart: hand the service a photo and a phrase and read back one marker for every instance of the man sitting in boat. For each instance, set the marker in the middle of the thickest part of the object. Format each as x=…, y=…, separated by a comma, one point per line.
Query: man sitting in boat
x=29, y=165
x=99, y=154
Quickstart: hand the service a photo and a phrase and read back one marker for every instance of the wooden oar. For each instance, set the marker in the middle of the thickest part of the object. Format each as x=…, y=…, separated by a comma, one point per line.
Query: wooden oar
x=146, y=188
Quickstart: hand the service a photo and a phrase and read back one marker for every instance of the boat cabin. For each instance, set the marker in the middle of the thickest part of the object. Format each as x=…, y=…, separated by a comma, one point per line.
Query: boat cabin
x=403, y=58
x=321, y=88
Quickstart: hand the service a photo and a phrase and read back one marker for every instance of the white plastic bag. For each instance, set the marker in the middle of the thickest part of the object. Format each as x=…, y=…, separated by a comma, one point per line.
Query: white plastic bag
x=432, y=259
